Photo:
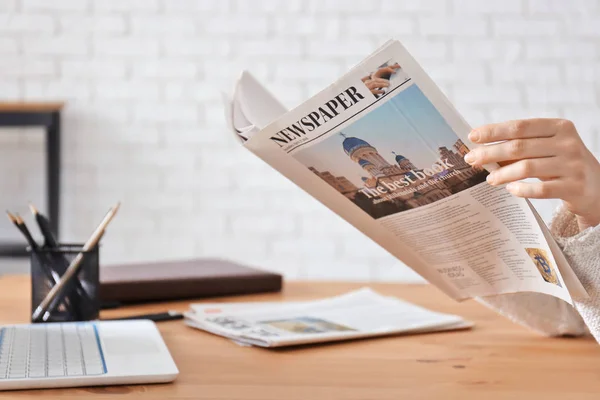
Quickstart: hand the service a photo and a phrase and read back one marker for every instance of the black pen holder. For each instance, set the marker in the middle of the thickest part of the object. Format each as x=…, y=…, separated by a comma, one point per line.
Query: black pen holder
x=79, y=300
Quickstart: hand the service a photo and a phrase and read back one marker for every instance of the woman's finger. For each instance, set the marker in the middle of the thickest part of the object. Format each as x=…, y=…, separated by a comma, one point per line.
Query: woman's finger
x=521, y=129
x=512, y=150
x=383, y=71
x=381, y=82
x=554, y=189
x=542, y=168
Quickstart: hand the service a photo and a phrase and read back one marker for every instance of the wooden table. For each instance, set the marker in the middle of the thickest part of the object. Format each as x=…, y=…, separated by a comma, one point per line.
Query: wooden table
x=495, y=360
x=46, y=115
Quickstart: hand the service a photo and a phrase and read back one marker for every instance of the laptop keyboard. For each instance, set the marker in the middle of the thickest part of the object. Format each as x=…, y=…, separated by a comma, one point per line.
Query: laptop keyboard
x=50, y=350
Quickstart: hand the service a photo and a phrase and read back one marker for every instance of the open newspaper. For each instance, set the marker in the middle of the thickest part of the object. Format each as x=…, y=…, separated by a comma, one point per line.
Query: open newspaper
x=359, y=314
x=383, y=148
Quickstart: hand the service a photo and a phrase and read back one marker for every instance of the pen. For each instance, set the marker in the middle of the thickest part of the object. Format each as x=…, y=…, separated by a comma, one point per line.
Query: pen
x=42, y=312
x=109, y=305
x=156, y=317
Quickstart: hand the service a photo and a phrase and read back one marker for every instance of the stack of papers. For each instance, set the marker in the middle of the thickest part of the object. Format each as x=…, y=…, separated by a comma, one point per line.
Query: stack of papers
x=358, y=314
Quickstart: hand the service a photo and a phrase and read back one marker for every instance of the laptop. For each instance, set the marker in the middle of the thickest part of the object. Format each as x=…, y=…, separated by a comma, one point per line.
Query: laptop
x=70, y=354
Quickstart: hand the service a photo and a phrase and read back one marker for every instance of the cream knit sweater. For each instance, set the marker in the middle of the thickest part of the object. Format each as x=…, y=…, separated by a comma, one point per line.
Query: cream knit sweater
x=549, y=315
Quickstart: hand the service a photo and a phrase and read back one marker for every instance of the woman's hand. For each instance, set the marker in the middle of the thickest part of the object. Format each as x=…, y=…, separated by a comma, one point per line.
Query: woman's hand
x=548, y=149
x=376, y=85
x=385, y=72
x=379, y=80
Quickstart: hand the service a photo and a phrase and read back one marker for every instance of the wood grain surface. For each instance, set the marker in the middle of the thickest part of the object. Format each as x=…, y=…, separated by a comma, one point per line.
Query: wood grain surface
x=495, y=360
x=31, y=106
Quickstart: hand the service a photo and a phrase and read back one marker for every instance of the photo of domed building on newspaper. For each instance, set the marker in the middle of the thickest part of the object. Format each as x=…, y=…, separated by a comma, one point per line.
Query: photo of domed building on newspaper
x=373, y=171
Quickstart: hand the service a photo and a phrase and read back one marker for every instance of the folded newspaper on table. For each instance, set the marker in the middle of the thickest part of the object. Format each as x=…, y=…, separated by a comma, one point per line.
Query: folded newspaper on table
x=383, y=148
x=354, y=315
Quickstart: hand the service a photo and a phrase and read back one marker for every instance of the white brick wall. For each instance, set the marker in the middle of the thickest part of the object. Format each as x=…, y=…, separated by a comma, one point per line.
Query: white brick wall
x=144, y=123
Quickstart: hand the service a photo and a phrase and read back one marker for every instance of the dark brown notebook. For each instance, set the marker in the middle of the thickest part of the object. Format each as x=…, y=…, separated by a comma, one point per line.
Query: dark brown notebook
x=174, y=280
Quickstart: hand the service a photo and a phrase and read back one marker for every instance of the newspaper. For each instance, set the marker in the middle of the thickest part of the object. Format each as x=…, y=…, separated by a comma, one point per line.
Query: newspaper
x=383, y=148
x=359, y=314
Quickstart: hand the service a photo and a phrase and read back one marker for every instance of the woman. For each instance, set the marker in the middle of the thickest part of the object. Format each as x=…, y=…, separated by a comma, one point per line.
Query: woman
x=552, y=151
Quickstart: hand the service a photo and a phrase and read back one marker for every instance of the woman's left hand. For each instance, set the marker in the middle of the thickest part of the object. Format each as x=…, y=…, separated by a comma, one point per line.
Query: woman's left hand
x=548, y=149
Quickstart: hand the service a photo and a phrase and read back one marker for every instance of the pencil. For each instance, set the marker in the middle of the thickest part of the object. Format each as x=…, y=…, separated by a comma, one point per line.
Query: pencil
x=44, y=225
x=20, y=224
x=26, y=232
x=42, y=312
x=51, y=274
